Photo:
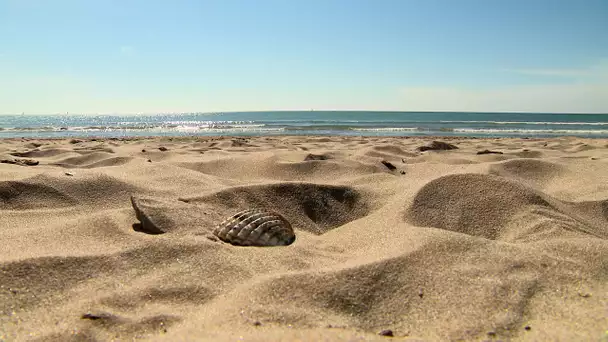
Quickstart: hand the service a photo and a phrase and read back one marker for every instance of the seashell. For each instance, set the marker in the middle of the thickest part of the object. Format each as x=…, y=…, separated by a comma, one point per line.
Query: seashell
x=256, y=227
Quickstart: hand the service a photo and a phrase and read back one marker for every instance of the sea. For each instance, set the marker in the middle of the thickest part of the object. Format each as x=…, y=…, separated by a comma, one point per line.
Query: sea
x=341, y=123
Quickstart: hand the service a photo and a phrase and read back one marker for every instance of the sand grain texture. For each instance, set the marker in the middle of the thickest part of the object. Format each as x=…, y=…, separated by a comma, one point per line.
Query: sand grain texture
x=444, y=245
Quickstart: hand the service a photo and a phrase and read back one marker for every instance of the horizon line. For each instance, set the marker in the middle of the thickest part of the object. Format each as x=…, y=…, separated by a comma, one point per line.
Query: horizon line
x=302, y=111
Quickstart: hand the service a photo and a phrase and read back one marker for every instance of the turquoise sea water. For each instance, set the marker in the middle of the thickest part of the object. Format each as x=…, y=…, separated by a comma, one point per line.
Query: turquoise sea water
x=346, y=123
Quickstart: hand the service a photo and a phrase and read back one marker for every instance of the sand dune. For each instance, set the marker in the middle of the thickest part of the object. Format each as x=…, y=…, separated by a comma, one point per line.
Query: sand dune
x=445, y=245
x=484, y=206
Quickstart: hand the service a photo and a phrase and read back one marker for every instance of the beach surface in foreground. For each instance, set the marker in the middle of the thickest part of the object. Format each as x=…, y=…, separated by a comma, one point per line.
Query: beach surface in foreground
x=500, y=238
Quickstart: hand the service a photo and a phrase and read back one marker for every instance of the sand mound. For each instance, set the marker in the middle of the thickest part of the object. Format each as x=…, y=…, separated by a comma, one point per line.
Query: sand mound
x=93, y=149
x=242, y=142
x=42, y=153
x=34, y=282
x=492, y=157
x=273, y=168
x=528, y=154
x=318, y=169
x=33, y=144
x=580, y=148
x=315, y=208
x=536, y=171
x=23, y=195
x=401, y=293
x=386, y=152
x=493, y=208
x=45, y=191
x=84, y=159
x=92, y=160
x=392, y=150
x=55, y=151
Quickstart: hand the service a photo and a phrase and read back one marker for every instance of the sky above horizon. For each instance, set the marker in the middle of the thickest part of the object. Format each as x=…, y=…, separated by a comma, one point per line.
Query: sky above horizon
x=141, y=56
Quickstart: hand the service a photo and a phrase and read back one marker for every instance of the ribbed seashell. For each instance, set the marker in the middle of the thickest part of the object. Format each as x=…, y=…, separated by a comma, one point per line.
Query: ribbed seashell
x=256, y=227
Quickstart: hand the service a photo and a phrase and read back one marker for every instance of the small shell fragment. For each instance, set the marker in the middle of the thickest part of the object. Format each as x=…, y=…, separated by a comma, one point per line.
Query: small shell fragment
x=256, y=227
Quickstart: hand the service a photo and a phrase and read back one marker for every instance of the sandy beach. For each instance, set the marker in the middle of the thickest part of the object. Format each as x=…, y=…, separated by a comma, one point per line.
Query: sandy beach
x=493, y=239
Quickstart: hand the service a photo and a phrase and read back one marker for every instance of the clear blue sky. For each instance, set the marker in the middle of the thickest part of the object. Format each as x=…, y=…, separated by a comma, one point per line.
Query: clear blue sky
x=127, y=56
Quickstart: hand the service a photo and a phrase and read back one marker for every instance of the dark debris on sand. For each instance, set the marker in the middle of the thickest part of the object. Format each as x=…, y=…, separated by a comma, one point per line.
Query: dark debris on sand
x=387, y=333
x=437, y=146
x=389, y=165
x=311, y=156
x=489, y=152
x=20, y=161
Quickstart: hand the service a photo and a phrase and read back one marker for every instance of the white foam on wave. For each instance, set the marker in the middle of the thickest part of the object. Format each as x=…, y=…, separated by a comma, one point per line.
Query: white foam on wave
x=529, y=131
x=387, y=129
x=532, y=123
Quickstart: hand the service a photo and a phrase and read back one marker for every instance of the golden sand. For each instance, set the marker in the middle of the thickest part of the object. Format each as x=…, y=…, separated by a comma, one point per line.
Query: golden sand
x=433, y=246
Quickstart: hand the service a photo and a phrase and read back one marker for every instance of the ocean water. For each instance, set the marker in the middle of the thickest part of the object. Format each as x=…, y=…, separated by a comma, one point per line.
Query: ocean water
x=346, y=123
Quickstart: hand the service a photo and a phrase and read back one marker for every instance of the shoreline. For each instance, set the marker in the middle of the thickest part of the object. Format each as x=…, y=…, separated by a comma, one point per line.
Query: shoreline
x=345, y=123
x=208, y=137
